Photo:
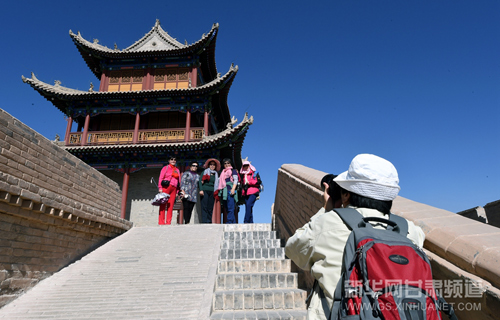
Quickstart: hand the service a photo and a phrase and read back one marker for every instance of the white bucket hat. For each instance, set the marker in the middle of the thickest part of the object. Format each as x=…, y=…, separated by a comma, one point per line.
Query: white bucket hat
x=370, y=176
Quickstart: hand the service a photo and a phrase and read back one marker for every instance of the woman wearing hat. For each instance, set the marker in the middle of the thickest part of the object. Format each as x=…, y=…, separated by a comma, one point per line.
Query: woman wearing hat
x=369, y=186
x=168, y=182
x=251, y=188
x=206, y=185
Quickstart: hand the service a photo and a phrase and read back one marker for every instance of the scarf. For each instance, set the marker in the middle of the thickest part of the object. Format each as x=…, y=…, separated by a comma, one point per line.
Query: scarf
x=226, y=173
x=209, y=172
x=250, y=168
x=175, y=173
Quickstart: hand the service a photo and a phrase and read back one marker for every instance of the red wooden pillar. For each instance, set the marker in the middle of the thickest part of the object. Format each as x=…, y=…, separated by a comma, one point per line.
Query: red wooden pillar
x=103, y=82
x=85, y=130
x=68, y=130
x=188, y=126
x=205, y=122
x=194, y=77
x=126, y=178
x=147, y=84
x=136, y=128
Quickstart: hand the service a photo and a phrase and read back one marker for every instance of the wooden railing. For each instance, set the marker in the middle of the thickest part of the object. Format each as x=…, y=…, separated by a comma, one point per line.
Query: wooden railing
x=127, y=136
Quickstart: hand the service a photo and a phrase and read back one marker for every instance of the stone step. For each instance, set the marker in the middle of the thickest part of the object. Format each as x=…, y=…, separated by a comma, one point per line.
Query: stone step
x=261, y=314
x=259, y=253
x=248, y=227
x=249, y=235
x=238, y=281
x=251, y=244
x=275, y=299
x=253, y=266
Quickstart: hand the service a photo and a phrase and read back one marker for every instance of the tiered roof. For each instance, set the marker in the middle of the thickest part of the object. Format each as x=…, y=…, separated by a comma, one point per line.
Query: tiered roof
x=158, y=43
x=154, y=50
x=64, y=97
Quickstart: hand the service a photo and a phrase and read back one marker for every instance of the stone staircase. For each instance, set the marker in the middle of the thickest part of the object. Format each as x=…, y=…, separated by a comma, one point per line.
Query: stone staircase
x=253, y=277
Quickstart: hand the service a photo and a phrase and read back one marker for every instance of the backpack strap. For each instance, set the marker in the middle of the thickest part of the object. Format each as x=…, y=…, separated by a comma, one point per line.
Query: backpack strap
x=350, y=216
x=401, y=222
x=446, y=308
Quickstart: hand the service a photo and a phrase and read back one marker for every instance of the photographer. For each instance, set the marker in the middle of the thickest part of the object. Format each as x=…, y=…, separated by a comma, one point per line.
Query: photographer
x=369, y=186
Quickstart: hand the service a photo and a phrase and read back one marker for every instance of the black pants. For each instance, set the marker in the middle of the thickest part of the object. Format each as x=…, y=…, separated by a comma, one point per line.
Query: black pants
x=207, y=206
x=188, y=210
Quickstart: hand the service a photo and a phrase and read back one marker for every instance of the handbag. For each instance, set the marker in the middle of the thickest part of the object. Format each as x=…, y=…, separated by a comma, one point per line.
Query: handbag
x=160, y=198
x=165, y=183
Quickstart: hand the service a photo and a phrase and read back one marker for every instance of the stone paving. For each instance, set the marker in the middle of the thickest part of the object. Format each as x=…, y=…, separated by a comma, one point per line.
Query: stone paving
x=254, y=279
x=166, y=272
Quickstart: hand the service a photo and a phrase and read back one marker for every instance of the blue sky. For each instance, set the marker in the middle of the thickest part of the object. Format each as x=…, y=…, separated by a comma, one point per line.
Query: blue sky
x=415, y=82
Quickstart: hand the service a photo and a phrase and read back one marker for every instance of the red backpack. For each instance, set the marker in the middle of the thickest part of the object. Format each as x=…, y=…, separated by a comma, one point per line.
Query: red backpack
x=384, y=275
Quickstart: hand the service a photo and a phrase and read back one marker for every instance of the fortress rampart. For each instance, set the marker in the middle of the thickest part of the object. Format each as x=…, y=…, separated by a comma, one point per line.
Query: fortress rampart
x=465, y=254
x=53, y=208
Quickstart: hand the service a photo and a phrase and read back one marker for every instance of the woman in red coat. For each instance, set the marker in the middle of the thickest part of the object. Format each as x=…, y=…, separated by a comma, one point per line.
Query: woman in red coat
x=251, y=189
x=169, y=173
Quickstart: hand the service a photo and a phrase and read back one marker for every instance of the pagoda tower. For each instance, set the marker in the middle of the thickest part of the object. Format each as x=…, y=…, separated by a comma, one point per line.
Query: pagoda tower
x=156, y=98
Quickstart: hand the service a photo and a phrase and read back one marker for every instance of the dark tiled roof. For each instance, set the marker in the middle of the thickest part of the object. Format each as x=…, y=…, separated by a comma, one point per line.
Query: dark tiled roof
x=157, y=42
x=46, y=89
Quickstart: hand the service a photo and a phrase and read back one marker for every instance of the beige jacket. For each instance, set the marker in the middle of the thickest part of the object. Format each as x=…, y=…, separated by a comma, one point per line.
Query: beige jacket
x=319, y=246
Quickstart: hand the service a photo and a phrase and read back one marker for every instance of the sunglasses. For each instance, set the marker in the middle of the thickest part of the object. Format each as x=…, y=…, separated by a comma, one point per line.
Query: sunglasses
x=227, y=162
x=194, y=165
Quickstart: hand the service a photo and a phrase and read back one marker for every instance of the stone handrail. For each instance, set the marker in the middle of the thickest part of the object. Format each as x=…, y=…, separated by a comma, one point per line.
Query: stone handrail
x=459, y=248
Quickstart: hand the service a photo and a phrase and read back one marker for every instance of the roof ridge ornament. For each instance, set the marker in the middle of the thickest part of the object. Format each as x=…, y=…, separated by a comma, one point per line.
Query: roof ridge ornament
x=57, y=83
x=232, y=122
x=96, y=41
x=91, y=89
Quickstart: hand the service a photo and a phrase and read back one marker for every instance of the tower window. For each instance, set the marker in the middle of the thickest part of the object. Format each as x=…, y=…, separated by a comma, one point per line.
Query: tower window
x=125, y=80
x=171, y=78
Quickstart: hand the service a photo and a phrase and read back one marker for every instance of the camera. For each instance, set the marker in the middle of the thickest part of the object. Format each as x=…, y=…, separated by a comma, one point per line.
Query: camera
x=333, y=187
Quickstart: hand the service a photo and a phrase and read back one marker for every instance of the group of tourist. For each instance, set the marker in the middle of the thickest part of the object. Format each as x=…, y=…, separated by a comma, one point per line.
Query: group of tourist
x=213, y=184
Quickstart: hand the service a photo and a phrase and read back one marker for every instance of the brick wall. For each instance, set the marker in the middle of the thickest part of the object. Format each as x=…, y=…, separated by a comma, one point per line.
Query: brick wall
x=463, y=253
x=297, y=199
x=53, y=208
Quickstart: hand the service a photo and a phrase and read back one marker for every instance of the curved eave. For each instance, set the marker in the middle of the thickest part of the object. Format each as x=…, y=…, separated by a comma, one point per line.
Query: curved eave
x=93, y=53
x=220, y=100
x=230, y=134
x=207, y=59
x=58, y=92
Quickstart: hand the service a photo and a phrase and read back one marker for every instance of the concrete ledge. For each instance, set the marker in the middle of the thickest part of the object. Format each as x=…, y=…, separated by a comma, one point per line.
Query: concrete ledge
x=469, y=244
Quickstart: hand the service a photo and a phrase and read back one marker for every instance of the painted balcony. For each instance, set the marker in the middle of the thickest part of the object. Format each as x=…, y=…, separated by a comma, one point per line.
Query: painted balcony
x=127, y=136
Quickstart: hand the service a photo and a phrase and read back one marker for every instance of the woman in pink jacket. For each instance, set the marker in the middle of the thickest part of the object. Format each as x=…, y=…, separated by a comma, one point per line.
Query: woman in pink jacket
x=168, y=173
x=251, y=188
